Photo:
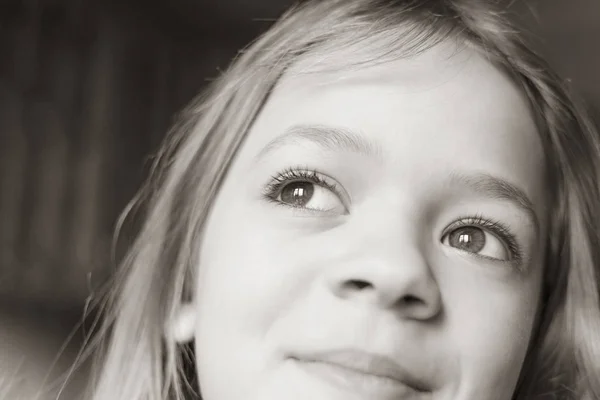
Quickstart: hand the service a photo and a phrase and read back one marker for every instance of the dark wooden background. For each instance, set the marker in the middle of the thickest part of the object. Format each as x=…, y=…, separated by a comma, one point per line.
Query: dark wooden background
x=89, y=87
x=87, y=91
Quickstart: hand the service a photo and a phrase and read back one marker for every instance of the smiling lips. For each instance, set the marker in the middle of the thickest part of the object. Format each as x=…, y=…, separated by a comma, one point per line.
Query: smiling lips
x=374, y=376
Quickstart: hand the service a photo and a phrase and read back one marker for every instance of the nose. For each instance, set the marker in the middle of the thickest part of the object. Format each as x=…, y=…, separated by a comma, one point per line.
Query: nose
x=400, y=281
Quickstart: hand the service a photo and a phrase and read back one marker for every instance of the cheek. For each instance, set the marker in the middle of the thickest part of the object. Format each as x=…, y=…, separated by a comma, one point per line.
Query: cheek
x=247, y=274
x=243, y=286
x=490, y=323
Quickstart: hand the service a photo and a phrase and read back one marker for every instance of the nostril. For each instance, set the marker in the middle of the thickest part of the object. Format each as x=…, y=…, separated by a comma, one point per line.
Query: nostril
x=411, y=300
x=357, y=284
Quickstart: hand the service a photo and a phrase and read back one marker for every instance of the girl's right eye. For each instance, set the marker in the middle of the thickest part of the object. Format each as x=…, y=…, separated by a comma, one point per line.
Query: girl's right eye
x=309, y=195
x=306, y=190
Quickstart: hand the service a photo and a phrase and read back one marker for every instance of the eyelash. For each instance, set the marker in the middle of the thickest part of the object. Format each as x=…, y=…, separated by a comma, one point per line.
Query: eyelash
x=497, y=228
x=293, y=174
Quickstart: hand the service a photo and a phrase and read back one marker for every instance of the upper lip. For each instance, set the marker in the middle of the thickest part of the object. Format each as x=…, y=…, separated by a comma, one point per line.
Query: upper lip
x=367, y=363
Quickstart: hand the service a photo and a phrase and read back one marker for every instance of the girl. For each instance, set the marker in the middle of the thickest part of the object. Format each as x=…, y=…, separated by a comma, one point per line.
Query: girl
x=379, y=200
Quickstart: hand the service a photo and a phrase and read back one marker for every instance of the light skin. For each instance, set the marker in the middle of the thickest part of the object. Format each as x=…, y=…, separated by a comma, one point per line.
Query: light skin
x=419, y=240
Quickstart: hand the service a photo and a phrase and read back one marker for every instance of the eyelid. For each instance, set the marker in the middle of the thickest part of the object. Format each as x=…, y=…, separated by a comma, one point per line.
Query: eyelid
x=496, y=228
x=300, y=173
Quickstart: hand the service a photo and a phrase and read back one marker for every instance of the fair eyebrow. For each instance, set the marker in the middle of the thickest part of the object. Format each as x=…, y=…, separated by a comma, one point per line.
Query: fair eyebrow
x=339, y=139
x=496, y=188
x=328, y=138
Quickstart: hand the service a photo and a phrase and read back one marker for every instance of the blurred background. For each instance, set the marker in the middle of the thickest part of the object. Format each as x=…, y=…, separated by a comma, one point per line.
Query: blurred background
x=88, y=89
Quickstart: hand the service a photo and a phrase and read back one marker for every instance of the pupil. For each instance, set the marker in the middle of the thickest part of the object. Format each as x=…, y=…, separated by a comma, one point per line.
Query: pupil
x=470, y=239
x=297, y=193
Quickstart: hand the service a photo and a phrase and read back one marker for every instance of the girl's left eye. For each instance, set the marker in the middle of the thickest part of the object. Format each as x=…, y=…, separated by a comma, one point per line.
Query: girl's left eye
x=478, y=241
x=306, y=190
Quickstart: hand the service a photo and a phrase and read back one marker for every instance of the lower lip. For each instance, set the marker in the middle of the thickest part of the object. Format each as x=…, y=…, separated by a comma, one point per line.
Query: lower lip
x=356, y=382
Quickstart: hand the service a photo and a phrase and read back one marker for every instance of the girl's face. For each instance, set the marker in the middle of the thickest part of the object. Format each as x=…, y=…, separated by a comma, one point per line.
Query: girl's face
x=379, y=236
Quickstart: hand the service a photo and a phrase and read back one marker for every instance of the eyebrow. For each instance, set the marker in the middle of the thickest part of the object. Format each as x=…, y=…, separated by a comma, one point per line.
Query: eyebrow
x=328, y=138
x=497, y=188
x=339, y=139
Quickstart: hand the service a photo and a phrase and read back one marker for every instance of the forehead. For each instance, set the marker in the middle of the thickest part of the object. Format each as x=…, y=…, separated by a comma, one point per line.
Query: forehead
x=447, y=108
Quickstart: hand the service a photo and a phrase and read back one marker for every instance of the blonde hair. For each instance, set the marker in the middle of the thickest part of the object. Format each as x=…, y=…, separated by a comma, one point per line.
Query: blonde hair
x=139, y=363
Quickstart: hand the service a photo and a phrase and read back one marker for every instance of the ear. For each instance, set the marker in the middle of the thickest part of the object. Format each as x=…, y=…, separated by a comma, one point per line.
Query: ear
x=182, y=326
